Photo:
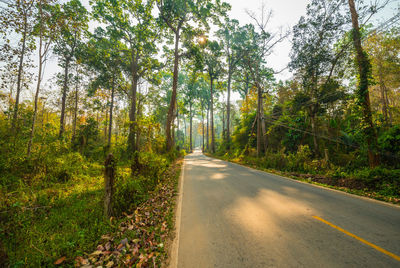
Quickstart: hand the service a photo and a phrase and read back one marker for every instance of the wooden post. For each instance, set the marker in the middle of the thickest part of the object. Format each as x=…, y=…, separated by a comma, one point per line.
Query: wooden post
x=109, y=177
x=327, y=157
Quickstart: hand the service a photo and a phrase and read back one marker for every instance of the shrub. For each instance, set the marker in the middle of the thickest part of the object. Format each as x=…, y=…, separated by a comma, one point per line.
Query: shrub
x=129, y=192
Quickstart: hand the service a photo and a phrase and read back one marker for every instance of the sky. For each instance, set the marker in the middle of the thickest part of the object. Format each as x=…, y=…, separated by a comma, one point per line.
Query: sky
x=286, y=13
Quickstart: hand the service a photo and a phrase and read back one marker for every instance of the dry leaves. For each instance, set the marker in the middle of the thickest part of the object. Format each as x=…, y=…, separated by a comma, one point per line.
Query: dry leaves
x=147, y=224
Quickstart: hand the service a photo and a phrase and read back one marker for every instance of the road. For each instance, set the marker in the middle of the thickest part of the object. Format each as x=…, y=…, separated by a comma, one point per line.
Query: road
x=234, y=216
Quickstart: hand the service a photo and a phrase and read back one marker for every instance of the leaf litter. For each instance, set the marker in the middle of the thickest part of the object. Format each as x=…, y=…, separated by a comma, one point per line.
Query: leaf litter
x=141, y=235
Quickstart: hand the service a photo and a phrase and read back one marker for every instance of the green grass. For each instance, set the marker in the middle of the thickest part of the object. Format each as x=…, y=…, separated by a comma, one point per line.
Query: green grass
x=63, y=219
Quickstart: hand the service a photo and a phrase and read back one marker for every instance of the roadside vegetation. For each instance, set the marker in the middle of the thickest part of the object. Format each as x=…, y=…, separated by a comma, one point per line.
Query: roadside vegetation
x=142, y=83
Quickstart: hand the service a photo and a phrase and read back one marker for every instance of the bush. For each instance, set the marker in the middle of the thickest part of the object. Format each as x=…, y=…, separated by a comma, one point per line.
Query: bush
x=129, y=192
x=379, y=177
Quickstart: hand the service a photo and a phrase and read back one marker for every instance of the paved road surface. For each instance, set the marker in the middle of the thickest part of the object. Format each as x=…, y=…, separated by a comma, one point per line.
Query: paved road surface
x=233, y=216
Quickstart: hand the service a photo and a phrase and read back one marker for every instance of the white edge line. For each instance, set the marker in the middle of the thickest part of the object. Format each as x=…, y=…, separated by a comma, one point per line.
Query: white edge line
x=315, y=185
x=175, y=245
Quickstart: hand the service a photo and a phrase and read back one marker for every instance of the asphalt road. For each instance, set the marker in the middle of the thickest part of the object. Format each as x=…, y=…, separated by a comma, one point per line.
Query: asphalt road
x=233, y=216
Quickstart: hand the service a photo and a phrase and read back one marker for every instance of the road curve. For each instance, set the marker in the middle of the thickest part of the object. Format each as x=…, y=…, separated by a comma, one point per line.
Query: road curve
x=233, y=216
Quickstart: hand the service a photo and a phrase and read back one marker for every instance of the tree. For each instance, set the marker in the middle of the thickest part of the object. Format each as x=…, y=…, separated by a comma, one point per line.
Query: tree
x=18, y=18
x=104, y=57
x=47, y=31
x=363, y=81
x=74, y=23
x=232, y=38
x=316, y=54
x=176, y=15
x=134, y=24
x=382, y=49
x=213, y=65
x=258, y=46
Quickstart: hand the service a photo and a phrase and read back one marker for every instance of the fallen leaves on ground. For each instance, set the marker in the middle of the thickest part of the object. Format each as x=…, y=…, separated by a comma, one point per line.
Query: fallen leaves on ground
x=141, y=235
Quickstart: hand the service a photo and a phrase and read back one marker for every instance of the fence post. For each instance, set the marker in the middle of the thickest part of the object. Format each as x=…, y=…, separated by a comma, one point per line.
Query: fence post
x=326, y=157
x=109, y=177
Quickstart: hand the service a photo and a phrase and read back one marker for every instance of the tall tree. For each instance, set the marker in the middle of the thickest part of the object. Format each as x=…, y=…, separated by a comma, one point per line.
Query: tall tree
x=47, y=30
x=104, y=56
x=259, y=45
x=179, y=16
x=213, y=65
x=315, y=57
x=364, y=73
x=74, y=24
x=232, y=37
x=134, y=24
x=18, y=18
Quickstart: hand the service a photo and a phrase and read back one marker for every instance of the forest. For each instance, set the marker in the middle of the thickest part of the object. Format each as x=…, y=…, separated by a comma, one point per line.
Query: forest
x=146, y=82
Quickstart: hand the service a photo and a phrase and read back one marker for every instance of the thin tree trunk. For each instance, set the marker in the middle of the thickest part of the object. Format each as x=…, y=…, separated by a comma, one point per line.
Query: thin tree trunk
x=223, y=123
x=314, y=131
x=388, y=108
x=263, y=128
x=75, y=113
x=177, y=124
x=64, y=96
x=208, y=137
x=364, y=66
x=383, y=97
x=171, y=109
x=19, y=78
x=228, y=112
x=105, y=125
x=191, y=132
x=185, y=133
x=111, y=113
x=41, y=55
x=212, y=117
x=132, y=113
x=137, y=116
x=259, y=130
x=202, y=123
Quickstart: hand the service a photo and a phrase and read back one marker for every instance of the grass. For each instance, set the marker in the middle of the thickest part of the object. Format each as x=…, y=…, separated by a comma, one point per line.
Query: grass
x=43, y=222
x=62, y=219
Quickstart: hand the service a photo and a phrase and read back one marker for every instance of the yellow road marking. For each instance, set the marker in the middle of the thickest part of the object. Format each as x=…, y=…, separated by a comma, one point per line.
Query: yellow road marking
x=394, y=256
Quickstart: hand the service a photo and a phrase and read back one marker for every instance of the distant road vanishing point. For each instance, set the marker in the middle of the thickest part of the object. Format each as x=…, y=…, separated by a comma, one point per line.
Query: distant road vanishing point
x=234, y=216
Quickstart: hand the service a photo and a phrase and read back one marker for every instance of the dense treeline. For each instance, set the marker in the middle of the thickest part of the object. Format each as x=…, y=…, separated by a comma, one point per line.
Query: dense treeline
x=148, y=80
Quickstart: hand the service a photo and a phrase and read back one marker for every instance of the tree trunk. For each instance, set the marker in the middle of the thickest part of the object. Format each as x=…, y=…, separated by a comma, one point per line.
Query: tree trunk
x=208, y=137
x=364, y=67
x=38, y=83
x=382, y=87
x=212, y=117
x=137, y=116
x=191, y=132
x=185, y=133
x=75, y=113
x=259, y=130
x=314, y=131
x=132, y=113
x=388, y=109
x=228, y=112
x=171, y=109
x=109, y=177
x=202, y=123
x=64, y=96
x=111, y=113
x=177, y=124
x=223, y=123
x=19, y=78
x=105, y=125
x=263, y=128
